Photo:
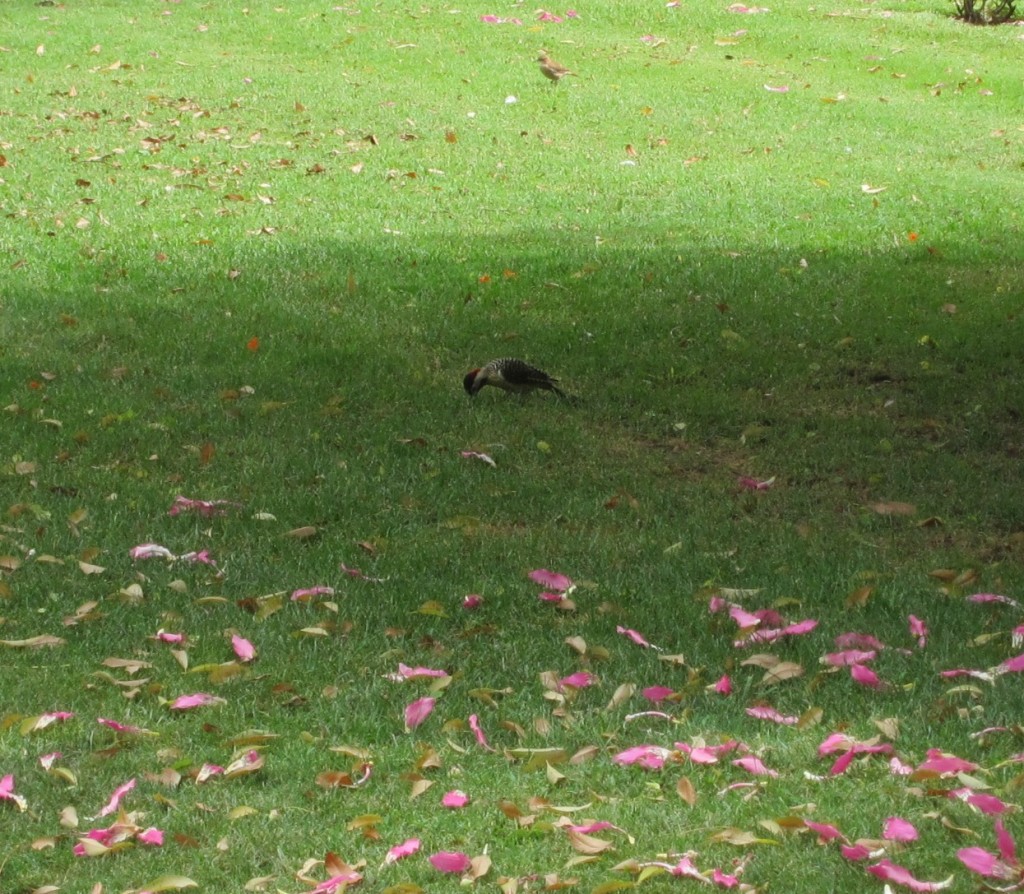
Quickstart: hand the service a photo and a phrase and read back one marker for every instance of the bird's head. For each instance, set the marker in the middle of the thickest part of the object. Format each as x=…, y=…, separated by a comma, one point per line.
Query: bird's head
x=469, y=382
x=543, y=57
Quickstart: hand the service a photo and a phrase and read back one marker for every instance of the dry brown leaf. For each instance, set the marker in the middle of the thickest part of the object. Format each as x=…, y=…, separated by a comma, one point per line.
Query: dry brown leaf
x=588, y=844
x=892, y=507
x=784, y=670
x=859, y=597
x=686, y=791
x=303, y=533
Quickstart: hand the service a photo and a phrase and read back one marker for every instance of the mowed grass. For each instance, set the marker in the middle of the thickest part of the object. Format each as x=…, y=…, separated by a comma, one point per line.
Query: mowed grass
x=248, y=255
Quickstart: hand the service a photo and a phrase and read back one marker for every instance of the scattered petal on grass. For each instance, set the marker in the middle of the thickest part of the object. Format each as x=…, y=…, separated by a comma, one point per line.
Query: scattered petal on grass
x=888, y=871
x=454, y=799
x=825, y=831
x=865, y=676
x=7, y=792
x=763, y=712
x=724, y=685
x=472, y=601
x=993, y=597
x=42, y=721
x=196, y=700
x=450, y=861
x=152, y=836
x=406, y=849
x=1013, y=665
x=125, y=728
x=151, y=551
x=898, y=829
x=173, y=639
x=551, y=597
x=651, y=757
x=634, y=636
x=657, y=694
x=478, y=732
x=551, y=579
x=244, y=650
x=115, y=799
x=356, y=574
x=945, y=764
x=307, y=594
x=250, y=762
x=754, y=765
x=417, y=673
x=578, y=680
x=748, y=483
x=205, y=508
x=849, y=657
x=483, y=457
x=919, y=629
x=980, y=801
x=418, y=711
x=781, y=88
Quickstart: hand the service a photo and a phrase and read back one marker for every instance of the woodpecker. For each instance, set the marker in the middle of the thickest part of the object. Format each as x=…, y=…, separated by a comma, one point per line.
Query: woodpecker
x=551, y=69
x=512, y=375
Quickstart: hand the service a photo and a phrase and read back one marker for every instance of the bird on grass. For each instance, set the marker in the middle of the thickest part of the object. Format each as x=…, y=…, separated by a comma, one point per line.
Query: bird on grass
x=551, y=69
x=512, y=375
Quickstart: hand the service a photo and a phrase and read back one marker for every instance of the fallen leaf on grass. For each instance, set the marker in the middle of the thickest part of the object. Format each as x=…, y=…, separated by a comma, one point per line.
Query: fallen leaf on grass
x=35, y=642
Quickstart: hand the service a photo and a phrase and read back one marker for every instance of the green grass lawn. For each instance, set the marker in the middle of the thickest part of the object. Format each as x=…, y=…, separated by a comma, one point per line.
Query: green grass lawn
x=248, y=253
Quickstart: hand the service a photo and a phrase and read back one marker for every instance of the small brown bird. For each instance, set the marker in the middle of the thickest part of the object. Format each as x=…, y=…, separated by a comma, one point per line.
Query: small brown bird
x=512, y=375
x=551, y=69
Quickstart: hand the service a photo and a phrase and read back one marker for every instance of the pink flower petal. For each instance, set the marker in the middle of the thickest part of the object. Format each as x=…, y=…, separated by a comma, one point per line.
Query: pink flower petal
x=7, y=792
x=309, y=593
x=399, y=851
x=650, y=757
x=634, y=636
x=450, y=861
x=898, y=829
x=942, y=763
x=993, y=597
x=849, y=656
x=657, y=693
x=481, y=738
x=865, y=676
x=196, y=700
x=151, y=836
x=888, y=871
x=724, y=685
x=919, y=629
x=551, y=597
x=205, y=508
x=982, y=861
x=115, y=799
x=825, y=831
x=551, y=579
x=454, y=799
x=854, y=852
x=406, y=849
x=859, y=641
x=763, y=712
x=418, y=711
x=124, y=727
x=748, y=483
x=1013, y=665
x=578, y=680
x=483, y=457
x=1007, y=846
x=418, y=673
x=781, y=88
x=173, y=639
x=151, y=551
x=244, y=650
x=754, y=765
x=472, y=601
